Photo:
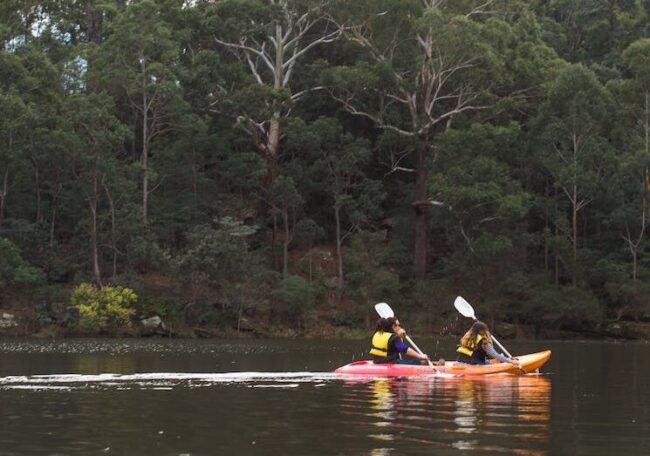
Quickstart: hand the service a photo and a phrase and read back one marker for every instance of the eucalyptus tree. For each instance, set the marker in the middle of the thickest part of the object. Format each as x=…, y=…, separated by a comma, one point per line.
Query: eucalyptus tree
x=632, y=135
x=574, y=149
x=94, y=139
x=485, y=202
x=424, y=63
x=271, y=38
x=218, y=255
x=339, y=162
x=285, y=200
x=138, y=62
x=13, y=126
x=593, y=31
x=29, y=94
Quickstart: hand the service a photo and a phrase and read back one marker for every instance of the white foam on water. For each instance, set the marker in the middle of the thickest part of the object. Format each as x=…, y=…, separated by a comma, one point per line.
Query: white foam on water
x=289, y=385
x=37, y=387
x=167, y=378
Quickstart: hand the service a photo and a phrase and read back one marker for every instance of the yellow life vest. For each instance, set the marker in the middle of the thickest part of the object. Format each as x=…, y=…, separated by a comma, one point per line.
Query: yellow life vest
x=469, y=349
x=380, y=343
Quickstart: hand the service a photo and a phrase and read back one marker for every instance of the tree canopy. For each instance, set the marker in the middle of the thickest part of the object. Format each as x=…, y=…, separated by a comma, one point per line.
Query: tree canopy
x=290, y=162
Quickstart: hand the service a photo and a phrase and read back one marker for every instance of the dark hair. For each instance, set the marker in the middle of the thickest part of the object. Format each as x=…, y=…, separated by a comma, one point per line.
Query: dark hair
x=386, y=324
x=479, y=328
x=469, y=339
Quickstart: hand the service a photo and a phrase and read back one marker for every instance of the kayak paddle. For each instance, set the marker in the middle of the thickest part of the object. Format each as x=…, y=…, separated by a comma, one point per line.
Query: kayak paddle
x=385, y=311
x=467, y=310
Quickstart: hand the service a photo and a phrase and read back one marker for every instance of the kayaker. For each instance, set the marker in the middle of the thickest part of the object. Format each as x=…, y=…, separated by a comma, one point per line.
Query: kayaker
x=476, y=347
x=388, y=345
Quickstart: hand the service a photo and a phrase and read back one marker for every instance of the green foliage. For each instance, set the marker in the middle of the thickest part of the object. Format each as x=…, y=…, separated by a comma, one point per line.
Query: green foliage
x=629, y=299
x=637, y=59
x=531, y=300
x=217, y=252
x=518, y=128
x=370, y=279
x=296, y=300
x=166, y=309
x=105, y=308
x=14, y=270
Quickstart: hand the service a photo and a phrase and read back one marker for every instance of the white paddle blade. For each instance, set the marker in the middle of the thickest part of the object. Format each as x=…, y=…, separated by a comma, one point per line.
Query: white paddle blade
x=384, y=310
x=464, y=307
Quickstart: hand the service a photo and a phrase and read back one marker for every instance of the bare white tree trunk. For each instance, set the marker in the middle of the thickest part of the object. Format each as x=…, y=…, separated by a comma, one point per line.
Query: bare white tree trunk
x=92, y=205
x=272, y=61
x=430, y=98
x=144, y=158
x=573, y=193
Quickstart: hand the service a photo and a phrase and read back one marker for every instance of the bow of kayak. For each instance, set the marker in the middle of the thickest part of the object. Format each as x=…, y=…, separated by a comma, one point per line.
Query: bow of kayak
x=528, y=362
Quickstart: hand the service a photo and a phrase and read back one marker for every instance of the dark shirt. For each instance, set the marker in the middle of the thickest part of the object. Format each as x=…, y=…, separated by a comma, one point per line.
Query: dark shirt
x=395, y=347
x=398, y=344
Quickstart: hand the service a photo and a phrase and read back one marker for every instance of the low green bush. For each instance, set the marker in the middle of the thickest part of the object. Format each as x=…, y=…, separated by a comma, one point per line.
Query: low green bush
x=105, y=308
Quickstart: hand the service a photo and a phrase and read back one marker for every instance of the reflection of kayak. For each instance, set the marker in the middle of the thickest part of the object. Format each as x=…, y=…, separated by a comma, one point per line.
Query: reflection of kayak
x=528, y=362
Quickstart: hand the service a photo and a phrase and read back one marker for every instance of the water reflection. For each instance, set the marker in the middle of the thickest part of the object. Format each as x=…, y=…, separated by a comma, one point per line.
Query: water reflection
x=497, y=406
x=499, y=413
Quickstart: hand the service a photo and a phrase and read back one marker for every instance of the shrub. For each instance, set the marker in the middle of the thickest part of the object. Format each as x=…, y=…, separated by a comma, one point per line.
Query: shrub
x=14, y=270
x=563, y=307
x=103, y=308
x=296, y=298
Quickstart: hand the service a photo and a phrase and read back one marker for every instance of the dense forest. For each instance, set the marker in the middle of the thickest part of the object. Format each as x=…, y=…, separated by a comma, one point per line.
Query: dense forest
x=279, y=166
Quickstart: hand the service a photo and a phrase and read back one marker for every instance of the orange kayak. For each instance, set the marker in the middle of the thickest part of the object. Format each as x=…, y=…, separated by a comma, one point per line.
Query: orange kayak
x=529, y=363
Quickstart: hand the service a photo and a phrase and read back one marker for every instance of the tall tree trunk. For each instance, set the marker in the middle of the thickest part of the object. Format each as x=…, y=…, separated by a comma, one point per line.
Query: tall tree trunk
x=339, y=252
x=5, y=182
x=574, y=237
x=37, y=186
x=274, y=242
x=420, y=206
x=557, y=233
x=285, y=243
x=94, y=25
x=646, y=128
x=271, y=149
x=92, y=203
x=546, y=230
x=144, y=159
x=3, y=195
x=111, y=207
x=55, y=198
x=195, y=186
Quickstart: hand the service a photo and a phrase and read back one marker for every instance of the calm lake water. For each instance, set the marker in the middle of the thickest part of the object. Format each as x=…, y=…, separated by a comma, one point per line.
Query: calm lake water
x=279, y=397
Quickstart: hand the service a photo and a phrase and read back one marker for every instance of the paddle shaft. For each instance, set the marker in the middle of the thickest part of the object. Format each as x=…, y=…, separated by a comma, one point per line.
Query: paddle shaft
x=417, y=349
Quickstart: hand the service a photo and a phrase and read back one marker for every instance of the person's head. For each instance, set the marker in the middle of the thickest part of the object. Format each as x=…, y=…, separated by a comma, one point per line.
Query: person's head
x=469, y=339
x=389, y=324
x=479, y=328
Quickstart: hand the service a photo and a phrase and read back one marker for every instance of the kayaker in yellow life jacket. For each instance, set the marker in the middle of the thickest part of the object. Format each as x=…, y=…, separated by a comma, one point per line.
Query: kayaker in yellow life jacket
x=476, y=347
x=388, y=346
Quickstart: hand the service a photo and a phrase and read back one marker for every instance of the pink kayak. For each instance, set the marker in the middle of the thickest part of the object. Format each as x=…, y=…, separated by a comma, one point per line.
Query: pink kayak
x=529, y=363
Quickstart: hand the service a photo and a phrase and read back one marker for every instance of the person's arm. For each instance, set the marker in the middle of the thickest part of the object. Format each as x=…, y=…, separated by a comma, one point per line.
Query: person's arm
x=413, y=354
x=404, y=349
x=492, y=353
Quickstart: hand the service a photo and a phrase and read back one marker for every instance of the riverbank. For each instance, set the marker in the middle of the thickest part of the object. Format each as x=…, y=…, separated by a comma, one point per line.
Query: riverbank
x=17, y=325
